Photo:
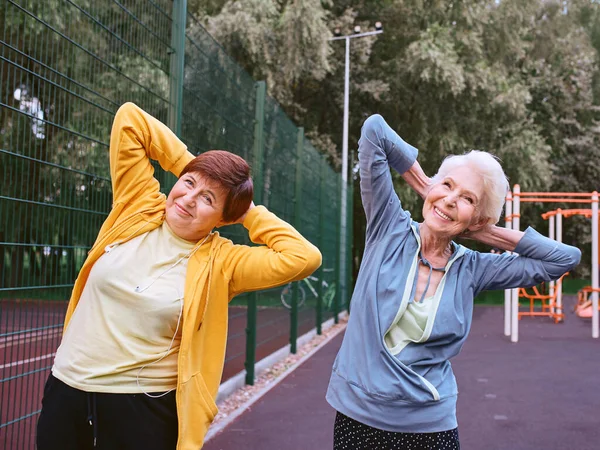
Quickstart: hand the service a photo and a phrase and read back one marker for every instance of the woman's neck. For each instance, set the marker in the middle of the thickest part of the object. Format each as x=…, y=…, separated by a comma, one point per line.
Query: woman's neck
x=434, y=247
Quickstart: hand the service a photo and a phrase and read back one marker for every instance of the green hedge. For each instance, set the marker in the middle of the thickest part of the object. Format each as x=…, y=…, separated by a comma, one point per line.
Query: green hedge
x=570, y=287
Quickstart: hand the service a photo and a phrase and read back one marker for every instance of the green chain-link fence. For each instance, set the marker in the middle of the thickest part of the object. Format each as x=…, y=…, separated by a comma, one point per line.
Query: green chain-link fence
x=65, y=68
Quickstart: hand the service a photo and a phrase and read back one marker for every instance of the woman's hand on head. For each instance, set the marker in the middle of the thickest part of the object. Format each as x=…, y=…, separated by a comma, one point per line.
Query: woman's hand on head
x=495, y=236
x=240, y=219
x=417, y=180
x=243, y=216
x=477, y=234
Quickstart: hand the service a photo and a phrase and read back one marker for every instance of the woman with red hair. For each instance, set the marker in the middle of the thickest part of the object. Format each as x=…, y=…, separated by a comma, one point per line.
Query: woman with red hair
x=144, y=339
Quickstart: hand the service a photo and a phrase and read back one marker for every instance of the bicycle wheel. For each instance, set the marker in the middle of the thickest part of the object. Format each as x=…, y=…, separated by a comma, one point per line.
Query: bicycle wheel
x=301, y=296
x=286, y=296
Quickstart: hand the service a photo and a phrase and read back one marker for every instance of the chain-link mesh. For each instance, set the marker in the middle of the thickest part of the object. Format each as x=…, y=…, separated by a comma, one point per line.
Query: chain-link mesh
x=65, y=68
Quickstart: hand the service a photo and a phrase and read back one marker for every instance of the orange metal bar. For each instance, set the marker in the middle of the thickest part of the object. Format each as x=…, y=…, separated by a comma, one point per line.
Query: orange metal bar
x=550, y=194
x=547, y=302
x=557, y=200
x=569, y=213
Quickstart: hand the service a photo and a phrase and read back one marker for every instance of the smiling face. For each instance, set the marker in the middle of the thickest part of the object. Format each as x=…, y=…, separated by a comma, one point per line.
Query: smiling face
x=452, y=205
x=195, y=206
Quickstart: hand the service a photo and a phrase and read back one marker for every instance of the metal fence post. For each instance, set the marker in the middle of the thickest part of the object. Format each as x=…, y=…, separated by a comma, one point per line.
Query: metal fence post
x=338, y=281
x=319, y=308
x=297, y=224
x=349, y=241
x=259, y=144
x=257, y=174
x=177, y=65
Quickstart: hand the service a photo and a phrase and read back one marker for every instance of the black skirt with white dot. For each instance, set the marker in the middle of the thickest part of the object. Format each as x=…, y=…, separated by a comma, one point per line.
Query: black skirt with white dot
x=348, y=434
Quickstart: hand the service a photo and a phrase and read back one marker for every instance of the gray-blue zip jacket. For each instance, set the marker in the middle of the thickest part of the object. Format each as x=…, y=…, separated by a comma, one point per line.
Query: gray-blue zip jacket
x=415, y=390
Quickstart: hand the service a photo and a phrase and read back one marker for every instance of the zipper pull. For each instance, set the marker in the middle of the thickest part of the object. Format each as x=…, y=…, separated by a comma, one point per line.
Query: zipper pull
x=109, y=248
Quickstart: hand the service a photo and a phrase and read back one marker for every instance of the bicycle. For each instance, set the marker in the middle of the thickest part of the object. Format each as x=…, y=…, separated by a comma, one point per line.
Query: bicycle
x=328, y=292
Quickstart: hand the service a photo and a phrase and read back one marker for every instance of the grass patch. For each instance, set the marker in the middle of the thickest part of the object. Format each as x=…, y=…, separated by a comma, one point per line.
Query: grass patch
x=570, y=287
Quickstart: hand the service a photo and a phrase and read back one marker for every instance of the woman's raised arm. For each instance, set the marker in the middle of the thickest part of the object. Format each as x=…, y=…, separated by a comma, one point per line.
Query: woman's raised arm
x=135, y=139
x=283, y=254
x=380, y=148
x=536, y=258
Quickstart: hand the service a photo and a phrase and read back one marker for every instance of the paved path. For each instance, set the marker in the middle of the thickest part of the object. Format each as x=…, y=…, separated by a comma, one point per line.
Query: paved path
x=292, y=416
x=541, y=393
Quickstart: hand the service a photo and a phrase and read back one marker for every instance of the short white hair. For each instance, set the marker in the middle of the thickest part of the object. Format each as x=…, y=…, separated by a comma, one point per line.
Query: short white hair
x=495, y=183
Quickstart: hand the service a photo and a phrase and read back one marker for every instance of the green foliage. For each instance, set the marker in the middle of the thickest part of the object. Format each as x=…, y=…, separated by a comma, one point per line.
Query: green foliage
x=570, y=287
x=518, y=78
x=281, y=42
x=66, y=69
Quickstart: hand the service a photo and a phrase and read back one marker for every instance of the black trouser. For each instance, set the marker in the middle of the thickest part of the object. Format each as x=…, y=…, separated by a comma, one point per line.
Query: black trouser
x=76, y=420
x=349, y=434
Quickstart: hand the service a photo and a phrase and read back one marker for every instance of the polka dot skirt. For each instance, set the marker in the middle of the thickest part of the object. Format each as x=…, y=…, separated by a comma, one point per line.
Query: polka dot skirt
x=348, y=434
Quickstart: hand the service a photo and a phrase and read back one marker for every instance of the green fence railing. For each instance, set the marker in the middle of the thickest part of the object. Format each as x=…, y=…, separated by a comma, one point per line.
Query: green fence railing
x=65, y=68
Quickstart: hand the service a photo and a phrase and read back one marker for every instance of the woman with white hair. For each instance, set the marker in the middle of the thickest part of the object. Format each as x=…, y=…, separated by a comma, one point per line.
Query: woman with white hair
x=392, y=383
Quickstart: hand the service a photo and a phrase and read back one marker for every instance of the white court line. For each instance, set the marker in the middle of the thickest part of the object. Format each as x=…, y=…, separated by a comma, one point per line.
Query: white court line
x=28, y=337
x=26, y=361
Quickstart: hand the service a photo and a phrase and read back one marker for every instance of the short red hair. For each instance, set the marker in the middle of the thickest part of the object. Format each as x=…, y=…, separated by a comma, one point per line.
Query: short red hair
x=232, y=173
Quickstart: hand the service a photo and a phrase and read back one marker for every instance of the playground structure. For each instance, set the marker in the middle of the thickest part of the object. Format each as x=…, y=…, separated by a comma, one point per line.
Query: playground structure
x=549, y=305
x=551, y=302
x=583, y=308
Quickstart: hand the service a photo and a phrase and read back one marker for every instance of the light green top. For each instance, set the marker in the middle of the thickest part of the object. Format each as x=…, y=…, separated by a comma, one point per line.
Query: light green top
x=411, y=326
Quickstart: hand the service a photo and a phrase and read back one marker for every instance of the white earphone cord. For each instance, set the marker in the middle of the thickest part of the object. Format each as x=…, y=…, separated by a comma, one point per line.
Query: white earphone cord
x=180, y=298
x=137, y=378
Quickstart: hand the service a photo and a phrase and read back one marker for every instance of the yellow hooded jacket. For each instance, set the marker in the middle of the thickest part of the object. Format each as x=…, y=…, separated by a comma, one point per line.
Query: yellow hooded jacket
x=216, y=272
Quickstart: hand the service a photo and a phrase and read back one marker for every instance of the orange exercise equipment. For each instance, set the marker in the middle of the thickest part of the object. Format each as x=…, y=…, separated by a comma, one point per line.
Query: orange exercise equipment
x=549, y=306
x=583, y=308
x=514, y=200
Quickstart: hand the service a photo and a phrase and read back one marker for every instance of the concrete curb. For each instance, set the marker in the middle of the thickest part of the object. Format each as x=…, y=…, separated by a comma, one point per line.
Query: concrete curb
x=237, y=381
x=231, y=385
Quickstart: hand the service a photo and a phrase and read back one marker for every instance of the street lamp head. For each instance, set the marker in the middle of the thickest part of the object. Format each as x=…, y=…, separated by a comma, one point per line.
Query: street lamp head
x=337, y=32
x=357, y=29
x=378, y=26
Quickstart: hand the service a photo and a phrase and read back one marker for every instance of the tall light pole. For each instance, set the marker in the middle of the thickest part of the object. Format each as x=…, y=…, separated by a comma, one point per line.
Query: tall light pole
x=344, y=199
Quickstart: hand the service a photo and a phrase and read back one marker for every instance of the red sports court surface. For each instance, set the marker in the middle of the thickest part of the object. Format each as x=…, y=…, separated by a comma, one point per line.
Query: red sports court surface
x=30, y=332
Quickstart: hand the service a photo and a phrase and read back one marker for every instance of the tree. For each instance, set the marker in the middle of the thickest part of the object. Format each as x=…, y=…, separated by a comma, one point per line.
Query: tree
x=518, y=78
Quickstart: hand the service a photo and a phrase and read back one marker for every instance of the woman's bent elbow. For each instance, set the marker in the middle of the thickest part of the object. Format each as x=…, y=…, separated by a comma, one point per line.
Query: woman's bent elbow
x=372, y=127
x=574, y=257
x=314, y=260
x=311, y=261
